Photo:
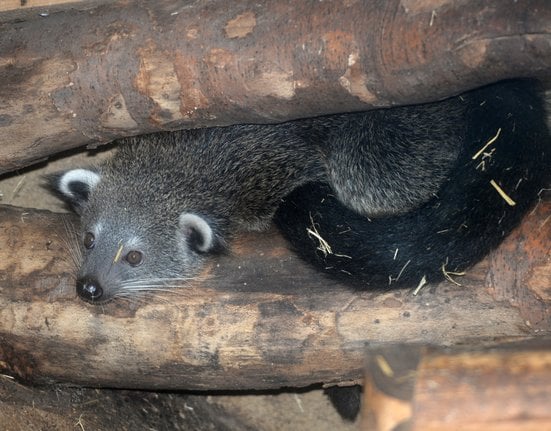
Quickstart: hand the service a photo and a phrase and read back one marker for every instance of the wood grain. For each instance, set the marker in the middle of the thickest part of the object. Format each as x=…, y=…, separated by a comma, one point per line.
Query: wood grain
x=415, y=388
x=84, y=76
x=258, y=318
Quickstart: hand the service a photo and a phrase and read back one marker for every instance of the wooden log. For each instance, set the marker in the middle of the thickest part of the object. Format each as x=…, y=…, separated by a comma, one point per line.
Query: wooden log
x=412, y=388
x=256, y=319
x=88, y=76
x=12, y=11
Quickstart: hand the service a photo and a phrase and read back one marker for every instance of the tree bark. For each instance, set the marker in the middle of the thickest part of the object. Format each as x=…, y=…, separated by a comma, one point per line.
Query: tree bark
x=256, y=319
x=413, y=388
x=84, y=77
x=27, y=10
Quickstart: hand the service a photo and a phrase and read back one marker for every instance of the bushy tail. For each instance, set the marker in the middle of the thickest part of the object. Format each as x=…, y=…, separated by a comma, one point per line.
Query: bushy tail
x=503, y=167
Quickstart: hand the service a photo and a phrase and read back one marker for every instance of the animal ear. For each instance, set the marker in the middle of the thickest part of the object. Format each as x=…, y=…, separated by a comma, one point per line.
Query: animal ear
x=74, y=186
x=197, y=233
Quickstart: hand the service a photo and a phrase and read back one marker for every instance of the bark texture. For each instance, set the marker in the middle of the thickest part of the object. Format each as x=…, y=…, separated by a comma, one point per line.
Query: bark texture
x=410, y=388
x=257, y=319
x=86, y=76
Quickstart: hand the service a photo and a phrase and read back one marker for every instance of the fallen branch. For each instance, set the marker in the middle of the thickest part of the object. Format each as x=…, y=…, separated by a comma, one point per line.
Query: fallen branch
x=257, y=319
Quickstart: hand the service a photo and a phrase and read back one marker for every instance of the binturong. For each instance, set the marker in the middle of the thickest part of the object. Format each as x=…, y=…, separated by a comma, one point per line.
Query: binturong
x=398, y=195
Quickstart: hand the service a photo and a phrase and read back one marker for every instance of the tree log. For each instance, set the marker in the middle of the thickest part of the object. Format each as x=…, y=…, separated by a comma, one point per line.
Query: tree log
x=88, y=76
x=256, y=319
x=27, y=10
x=412, y=388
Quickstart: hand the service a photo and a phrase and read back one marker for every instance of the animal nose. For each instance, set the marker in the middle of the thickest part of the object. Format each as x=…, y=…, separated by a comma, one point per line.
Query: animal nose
x=89, y=289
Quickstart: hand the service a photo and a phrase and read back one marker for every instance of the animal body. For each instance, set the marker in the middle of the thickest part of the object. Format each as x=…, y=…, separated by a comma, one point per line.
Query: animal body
x=383, y=198
x=399, y=194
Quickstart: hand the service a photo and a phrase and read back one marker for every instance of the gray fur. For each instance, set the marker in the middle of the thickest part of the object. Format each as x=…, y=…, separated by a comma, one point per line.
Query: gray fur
x=234, y=178
x=402, y=165
x=231, y=177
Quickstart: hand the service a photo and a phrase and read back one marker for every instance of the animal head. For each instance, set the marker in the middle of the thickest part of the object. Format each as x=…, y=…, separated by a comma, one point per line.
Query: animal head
x=133, y=239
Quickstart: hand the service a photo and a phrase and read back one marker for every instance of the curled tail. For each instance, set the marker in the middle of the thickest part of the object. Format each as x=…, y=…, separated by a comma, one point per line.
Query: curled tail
x=504, y=164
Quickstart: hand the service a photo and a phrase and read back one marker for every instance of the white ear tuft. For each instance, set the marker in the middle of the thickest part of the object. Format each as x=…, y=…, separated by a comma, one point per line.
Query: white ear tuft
x=74, y=186
x=82, y=178
x=197, y=232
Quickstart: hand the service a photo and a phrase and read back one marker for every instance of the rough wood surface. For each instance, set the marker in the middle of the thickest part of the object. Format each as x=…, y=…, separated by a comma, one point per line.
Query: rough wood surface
x=256, y=319
x=79, y=77
x=25, y=10
x=412, y=388
x=8, y=5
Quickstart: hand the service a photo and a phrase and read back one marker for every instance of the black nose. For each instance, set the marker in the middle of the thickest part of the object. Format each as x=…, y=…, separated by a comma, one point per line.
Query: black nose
x=89, y=289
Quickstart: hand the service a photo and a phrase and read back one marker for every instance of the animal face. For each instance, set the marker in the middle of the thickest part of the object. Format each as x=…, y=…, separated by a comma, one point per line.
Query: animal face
x=129, y=242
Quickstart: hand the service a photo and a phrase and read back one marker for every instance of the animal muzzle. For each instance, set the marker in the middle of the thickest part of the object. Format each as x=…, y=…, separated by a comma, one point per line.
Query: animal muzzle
x=89, y=289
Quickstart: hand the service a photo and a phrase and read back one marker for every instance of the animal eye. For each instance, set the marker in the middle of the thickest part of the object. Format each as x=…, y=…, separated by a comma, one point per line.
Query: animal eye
x=89, y=240
x=134, y=257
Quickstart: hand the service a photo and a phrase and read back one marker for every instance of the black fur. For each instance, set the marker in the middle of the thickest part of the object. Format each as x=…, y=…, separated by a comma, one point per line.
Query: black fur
x=453, y=230
x=346, y=400
x=457, y=227
x=394, y=192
